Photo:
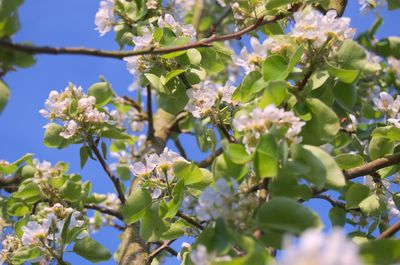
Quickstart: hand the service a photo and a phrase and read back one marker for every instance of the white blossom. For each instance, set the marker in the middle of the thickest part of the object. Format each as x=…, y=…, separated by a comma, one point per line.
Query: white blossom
x=168, y=21
x=200, y=256
x=70, y=128
x=226, y=92
x=259, y=121
x=201, y=98
x=251, y=61
x=223, y=201
x=152, y=4
x=144, y=41
x=316, y=248
x=34, y=233
x=105, y=19
x=385, y=102
x=312, y=25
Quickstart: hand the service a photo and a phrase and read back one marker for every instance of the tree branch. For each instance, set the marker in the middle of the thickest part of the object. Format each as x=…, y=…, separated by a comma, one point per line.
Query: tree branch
x=390, y=231
x=207, y=42
x=105, y=210
x=372, y=167
x=210, y=159
x=150, y=130
x=114, y=179
x=179, y=145
x=189, y=220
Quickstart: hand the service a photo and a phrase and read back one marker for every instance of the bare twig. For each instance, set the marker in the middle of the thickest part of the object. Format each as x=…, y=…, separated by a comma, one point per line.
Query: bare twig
x=103, y=209
x=209, y=160
x=190, y=220
x=179, y=145
x=150, y=130
x=207, y=42
x=161, y=248
x=115, y=180
x=390, y=231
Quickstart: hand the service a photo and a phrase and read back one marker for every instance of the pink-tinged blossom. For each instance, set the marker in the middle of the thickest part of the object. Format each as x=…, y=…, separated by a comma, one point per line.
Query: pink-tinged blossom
x=168, y=21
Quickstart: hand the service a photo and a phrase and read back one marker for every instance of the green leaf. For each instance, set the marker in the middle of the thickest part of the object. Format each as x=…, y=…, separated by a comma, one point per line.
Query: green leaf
x=151, y=225
x=177, y=198
x=275, y=68
x=266, y=157
x=173, y=74
x=188, y=172
x=389, y=132
x=317, y=79
x=84, y=155
x=323, y=168
x=244, y=91
x=347, y=76
x=394, y=4
x=380, y=147
x=174, y=102
x=29, y=192
x=286, y=215
x=352, y=55
x=155, y=82
x=237, y=153
x=224, y=167
x=71, y=190
x=124, y=172
x=115, y=134
x=272, y=4
x=102, y=92
x=345, y=95
x=274, y=93
x=91, y=250
x=52, y=138
x=372, y=205
x=388, y=47
x=337, y=216
x=136, y=206
x=356, y=194
x=25, y=254
x=194, y=56
x=382, y=252
x=4, y=95
x=323, y=126
x=346, y=161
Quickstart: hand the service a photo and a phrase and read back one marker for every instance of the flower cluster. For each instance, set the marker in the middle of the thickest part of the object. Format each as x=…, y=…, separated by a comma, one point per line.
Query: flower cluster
x=252, y=61
x=50, y=228
x=9, y=246
x=45, y=171
x=168, y=21
x=156, y=171
x=225, y=202
x=105, y=18
x=314, y=26
x=59, y=106
x=390, y=106
x=381, y=188
x=317, y=248
x=202, y=97
x=260, y=121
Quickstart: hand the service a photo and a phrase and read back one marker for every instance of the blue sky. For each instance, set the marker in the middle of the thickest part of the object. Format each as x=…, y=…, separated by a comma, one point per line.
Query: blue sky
x=71, y=23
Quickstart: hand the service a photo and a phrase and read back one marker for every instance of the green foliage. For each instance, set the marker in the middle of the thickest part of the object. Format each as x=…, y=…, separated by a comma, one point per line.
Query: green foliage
x=4, y=95
x=102, y=92
x=136, y=206
x=91, y=250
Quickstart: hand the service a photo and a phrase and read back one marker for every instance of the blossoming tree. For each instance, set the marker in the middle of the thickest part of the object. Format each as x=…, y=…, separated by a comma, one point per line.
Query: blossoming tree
x=308, y=111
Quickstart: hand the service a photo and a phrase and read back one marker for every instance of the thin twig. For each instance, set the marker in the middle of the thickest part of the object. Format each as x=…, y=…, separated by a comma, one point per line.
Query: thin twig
x=150, y=130
x=390, y=231
x=207, y=42
x=210, y=159
x=160, y=249
x=181, y=150
x=105, y=210
x=190, y=220
x=114, y=179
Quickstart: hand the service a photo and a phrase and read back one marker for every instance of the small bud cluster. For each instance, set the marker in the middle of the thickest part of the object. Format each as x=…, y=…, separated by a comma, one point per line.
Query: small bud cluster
x=390, y=106
x=202, y=98
x=225, y=202
x=156, y=171
x=317, y=248
x=367, y=5
x=9, y=246
x=260, y=121
x=76, y=110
